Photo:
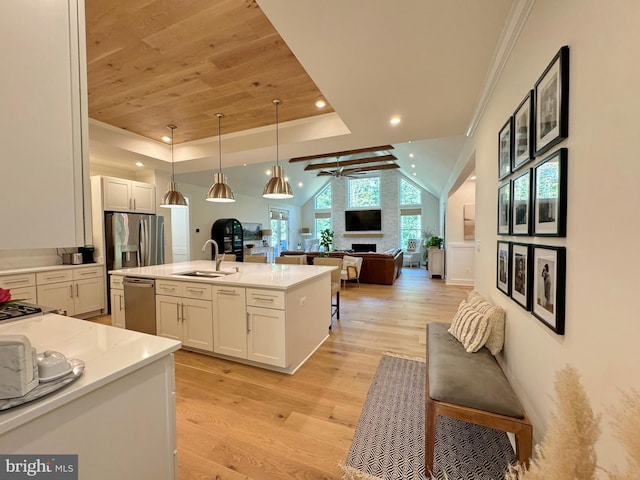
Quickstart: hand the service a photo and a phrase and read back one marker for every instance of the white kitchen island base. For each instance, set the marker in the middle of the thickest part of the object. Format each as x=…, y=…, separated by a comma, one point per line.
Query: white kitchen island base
x=119, y=417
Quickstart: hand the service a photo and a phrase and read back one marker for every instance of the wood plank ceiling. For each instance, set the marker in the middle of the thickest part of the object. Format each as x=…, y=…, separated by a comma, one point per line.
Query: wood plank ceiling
x=159, y=62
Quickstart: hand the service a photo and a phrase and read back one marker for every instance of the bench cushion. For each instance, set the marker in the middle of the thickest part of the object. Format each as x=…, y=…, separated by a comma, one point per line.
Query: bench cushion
x=473, y=380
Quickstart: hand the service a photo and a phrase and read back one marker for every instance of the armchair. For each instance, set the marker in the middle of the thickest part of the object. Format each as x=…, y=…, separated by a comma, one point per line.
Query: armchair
x=412, y=253
x=351, y=267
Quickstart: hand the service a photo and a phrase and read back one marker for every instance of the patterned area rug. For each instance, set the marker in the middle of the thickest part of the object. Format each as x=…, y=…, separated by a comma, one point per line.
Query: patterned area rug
x=389, y=439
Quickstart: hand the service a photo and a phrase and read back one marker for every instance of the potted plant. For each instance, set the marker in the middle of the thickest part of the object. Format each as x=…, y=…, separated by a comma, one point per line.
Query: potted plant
x=326, y=240
x=435, y=242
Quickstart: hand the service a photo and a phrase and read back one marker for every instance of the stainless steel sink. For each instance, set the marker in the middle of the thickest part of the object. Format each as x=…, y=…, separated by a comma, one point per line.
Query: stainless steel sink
x=204, y=273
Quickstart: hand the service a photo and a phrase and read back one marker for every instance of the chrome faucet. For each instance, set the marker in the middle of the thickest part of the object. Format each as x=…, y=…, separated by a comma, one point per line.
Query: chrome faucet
x=215, y=250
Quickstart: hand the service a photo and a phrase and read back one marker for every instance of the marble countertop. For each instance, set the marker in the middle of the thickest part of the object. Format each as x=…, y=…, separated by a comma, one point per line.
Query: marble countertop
x=259, y=275
x=109, y=353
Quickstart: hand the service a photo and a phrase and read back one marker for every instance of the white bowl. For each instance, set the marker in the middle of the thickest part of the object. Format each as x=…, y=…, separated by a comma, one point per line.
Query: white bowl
x=52, y=365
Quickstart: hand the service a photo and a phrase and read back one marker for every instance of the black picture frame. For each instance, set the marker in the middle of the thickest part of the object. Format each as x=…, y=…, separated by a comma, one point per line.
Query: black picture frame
x=549, y=283
x=504, y=209
x=523, y=136
x=551, y=94
x=550, y=195
x=521, y=262
x=521, y=200
x=503, y=267
x=505, y=149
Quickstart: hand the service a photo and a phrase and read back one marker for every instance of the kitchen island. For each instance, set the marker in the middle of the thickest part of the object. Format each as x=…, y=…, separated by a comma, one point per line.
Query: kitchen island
x=118, y=417
x=265, y=315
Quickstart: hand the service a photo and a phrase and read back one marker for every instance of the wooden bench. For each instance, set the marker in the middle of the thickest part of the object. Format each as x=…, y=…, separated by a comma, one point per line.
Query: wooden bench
x=469, y=387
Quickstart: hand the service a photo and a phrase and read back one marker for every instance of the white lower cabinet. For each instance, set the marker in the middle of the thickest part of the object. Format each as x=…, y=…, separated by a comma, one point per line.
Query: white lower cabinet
x=243, y=330
x=266, y=338
x=22, y=286
x=230, y=322
x=117, y=302
x=189, y=320
x=76, y=291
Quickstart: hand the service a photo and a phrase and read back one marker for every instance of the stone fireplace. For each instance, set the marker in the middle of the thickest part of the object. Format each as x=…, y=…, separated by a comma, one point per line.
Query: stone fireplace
x=363, y=247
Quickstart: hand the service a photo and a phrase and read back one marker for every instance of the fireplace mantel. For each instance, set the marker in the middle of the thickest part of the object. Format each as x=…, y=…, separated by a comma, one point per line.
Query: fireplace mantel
x=363, y=235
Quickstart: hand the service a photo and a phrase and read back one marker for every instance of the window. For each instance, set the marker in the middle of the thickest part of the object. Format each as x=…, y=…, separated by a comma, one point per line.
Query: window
x=364, y=192
x=321, y=224
x=410, y=225
x=409, y=193
x=323, y=199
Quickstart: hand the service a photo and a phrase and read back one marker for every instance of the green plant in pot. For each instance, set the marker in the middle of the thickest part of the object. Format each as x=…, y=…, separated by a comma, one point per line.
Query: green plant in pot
x=435, y=242
x=326, y=240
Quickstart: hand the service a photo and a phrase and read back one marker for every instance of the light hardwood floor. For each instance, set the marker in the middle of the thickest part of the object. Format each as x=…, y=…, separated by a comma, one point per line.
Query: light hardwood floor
x=240, y=422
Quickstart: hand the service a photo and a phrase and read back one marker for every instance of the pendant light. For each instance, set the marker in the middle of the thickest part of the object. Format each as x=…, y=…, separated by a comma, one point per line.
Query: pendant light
x=220, y=191
x=277, y=187
x=173, y=198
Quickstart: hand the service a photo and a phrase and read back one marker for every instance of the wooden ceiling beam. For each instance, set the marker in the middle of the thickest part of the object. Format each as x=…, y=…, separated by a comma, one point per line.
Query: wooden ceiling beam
x=347, y=163
x=342, y=154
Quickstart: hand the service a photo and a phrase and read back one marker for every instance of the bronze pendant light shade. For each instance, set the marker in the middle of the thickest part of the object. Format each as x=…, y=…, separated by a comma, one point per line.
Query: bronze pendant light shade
x=220, y=192
x=277, y=187
x=173, y=198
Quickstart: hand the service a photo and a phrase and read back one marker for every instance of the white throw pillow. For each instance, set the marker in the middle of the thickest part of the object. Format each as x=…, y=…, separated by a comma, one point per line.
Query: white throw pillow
x=470, y=327
x=495, y=316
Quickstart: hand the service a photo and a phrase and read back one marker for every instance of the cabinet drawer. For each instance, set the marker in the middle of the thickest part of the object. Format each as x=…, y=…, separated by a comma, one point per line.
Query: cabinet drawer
x=265, y=298
x=25, y=294
x=89, y=272
x=167, y=287
x=19, y=280
x=116, y=282
x=55, y=276
x=197, y=290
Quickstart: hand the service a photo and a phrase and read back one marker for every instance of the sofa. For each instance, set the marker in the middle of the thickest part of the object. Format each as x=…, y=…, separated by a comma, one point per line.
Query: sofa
x=380, y=268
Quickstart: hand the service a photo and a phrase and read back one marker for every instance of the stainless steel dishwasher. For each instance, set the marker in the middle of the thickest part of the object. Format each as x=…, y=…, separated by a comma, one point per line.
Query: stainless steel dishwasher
x=140, y=304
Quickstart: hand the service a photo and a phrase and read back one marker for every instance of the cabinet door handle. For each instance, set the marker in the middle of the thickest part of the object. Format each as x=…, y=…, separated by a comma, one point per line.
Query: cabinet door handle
x=227, y=292
x=53, y=277
x=134, y=203
x=182, y=308
x=120, y=297
x=177, y=311
x=263, y=299
x=16, y=282
x=70, y=291
x=77, y=290
x=248, y=328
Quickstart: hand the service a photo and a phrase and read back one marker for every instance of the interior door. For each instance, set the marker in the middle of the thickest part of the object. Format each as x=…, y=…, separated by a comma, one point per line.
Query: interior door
x=279, y=230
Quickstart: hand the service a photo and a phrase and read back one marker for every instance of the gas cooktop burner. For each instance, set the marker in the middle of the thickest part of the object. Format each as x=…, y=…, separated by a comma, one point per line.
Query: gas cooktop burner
x=18, y=310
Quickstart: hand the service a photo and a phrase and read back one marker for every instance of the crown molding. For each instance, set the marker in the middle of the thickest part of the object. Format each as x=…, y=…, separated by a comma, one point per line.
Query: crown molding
x=515, y=23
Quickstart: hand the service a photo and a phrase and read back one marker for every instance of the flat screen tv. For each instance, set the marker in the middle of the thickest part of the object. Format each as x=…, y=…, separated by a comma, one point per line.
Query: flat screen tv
x=363, y=220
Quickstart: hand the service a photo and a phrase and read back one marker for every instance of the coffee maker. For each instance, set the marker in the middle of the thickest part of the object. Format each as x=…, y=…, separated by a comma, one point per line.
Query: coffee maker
x=87, y=253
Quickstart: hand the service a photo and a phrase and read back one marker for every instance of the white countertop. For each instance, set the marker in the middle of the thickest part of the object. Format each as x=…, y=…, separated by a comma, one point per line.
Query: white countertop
x=260, y=275
x=109, y=353
x=48, y=268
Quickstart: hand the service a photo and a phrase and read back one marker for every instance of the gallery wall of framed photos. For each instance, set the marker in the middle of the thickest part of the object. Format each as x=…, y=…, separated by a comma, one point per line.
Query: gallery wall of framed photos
x=532, y=197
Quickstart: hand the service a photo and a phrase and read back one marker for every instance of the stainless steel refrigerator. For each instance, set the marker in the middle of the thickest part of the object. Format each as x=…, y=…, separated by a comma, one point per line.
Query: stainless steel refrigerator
x=133, y=240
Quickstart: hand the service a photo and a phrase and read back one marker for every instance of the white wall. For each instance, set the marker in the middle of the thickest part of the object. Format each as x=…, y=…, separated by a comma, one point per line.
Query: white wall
x=602, y=328
x=245, y=209
x=459, y=265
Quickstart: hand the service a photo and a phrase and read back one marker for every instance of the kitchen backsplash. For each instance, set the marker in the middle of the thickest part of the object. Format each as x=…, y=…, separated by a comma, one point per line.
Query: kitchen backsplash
x=40, y=257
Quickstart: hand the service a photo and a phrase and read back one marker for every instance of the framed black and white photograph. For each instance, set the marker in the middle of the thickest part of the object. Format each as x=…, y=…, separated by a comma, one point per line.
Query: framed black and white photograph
x=551, y=93
x=549, y=278
x=504, y=209
x=521, y=204
x=521, y=274
x=503, y=268
x=523, y=133
x=505, y=149
x=550, y=195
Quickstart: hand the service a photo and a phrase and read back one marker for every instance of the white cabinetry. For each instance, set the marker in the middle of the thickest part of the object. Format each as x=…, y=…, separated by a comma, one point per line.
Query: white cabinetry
x=184, y=312
x=43, y=121
x=250, y=324
x=22, y=286
x=435, y=262
x=230, y=322
x=122, y=195
x=117, y=301
x=77, y=291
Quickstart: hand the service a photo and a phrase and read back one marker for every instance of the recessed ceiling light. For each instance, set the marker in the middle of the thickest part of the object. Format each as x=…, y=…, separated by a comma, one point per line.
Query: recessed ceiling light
x=139, y=164
x=165, y=139
x=321, y=104
x=244, y=164
x=413, y=165
x=411, y=155
x=394, y=120
x=300, y=184
x=409, y=141
x=473, y=178
x=286, y=179
x=268, y=172
x=414, y=174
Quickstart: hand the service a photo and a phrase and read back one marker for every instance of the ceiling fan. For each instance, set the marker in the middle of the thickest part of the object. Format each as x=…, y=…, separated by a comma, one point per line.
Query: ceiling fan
x=340, y=171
